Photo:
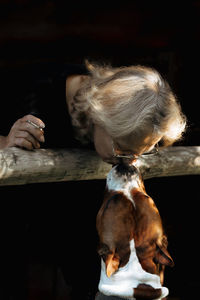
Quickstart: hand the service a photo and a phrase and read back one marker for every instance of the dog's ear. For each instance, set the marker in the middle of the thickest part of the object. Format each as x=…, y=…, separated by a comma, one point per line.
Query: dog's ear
x=112, y=264
x=163, y=257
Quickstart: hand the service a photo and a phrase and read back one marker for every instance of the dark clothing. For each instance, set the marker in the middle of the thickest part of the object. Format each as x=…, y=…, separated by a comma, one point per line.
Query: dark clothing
x=40, y=90
x=53, y=223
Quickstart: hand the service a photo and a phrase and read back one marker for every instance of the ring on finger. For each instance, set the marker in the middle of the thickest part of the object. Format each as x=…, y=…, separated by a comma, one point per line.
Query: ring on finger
x=34, y=125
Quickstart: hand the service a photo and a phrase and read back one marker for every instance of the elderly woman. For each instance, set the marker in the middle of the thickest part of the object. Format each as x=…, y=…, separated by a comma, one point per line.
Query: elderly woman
x=122, y=111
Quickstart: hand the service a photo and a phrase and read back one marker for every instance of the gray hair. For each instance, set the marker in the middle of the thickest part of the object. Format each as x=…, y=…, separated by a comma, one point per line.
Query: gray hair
x=127, y=101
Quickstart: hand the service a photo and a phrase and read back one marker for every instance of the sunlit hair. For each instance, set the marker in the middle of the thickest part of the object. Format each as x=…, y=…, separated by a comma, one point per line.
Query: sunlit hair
x=127, y=101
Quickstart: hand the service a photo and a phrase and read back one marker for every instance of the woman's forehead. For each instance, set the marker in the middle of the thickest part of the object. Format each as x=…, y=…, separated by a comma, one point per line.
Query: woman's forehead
x=147, y=138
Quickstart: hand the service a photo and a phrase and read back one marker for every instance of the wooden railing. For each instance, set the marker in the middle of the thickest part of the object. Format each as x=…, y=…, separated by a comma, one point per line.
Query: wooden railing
x=18, y=167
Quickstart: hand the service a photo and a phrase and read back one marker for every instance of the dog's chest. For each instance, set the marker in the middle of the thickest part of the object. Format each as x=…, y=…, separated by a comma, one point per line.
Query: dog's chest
x=122, y=183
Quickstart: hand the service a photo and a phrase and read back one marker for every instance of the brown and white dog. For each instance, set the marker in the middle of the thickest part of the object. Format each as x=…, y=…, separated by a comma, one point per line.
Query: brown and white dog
x=132, y=246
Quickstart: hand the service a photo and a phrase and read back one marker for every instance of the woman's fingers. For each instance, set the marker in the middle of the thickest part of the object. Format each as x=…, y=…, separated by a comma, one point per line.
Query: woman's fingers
x=22, y=136
x=34, y=120
x=27, y=133
x=23, y=143
x=33, y=126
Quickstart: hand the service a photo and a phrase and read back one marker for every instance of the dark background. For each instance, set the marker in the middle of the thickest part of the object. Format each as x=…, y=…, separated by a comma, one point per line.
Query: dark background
x=161, y=34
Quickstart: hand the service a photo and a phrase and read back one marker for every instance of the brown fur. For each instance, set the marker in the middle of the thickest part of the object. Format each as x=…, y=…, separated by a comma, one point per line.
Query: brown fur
x=119, y=221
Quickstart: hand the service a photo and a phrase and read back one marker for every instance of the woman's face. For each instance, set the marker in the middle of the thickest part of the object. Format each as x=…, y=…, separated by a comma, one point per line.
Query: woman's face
x=136, y=145
x=108, y=149
x=104, y=145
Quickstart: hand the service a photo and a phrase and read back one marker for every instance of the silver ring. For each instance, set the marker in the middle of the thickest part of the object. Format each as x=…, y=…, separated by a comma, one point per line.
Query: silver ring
x=33, y=124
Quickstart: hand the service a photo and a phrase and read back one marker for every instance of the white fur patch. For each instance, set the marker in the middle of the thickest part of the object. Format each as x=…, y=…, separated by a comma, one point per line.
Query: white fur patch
x=122, y=283
x=121, y=184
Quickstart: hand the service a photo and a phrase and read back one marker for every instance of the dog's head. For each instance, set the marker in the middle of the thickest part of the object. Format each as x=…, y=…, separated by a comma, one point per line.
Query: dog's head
x=129, y=214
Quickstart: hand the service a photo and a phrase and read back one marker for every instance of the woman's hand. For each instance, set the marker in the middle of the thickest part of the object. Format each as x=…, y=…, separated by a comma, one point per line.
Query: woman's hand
x=26, y=132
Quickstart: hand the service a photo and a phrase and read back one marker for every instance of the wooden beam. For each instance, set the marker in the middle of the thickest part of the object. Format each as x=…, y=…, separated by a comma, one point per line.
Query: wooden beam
x=18, y=167
x=171, y=161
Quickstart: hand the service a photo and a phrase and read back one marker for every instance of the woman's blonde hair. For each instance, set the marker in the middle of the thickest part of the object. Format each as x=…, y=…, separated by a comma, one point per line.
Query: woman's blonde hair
x=127, y=101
